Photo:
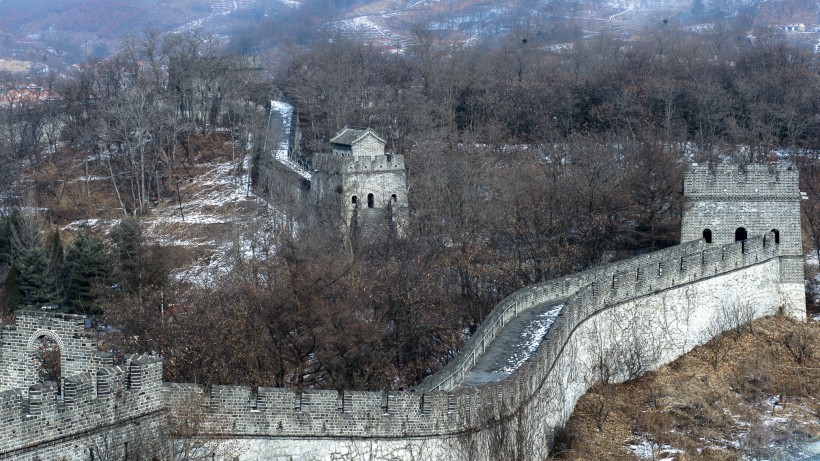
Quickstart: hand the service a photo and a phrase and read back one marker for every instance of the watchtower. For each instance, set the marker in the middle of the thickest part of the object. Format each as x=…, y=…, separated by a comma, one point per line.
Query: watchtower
x=730, y=203
x=360, y=186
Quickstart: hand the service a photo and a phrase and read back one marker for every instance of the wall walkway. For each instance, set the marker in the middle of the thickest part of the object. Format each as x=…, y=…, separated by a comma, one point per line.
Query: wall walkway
x=617, y=322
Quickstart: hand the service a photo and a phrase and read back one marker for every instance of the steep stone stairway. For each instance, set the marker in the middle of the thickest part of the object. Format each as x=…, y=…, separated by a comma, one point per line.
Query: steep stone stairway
x=514, y=345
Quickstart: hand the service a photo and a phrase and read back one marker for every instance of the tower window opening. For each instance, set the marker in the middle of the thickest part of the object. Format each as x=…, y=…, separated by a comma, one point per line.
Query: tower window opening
x=370, y=200
x=354, y=200
x=48, y=360
x=393, y=198
x=740, y=234
x=707, y=235
x=776, y=236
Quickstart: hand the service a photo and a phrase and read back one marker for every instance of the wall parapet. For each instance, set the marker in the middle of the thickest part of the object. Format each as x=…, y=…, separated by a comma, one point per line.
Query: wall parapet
x=89, y=402
x=443, y=409
x=332, y=162
x=551, y=291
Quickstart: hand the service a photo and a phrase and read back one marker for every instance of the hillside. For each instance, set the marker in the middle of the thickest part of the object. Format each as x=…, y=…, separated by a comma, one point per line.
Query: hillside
x=56, y=34
x=205, y=221
x=753, y=393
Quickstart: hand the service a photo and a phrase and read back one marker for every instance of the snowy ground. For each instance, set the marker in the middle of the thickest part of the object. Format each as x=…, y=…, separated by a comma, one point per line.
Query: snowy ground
x=221, y=214
x=216, y=214
x=645, y=449
x=280, y=119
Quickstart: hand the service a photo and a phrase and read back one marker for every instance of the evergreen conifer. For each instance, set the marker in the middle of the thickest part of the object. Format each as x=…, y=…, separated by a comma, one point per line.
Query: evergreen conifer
x=86, y=265
x=12, y=296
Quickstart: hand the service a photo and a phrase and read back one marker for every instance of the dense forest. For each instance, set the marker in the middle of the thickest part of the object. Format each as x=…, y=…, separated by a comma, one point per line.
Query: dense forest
x=525, y=162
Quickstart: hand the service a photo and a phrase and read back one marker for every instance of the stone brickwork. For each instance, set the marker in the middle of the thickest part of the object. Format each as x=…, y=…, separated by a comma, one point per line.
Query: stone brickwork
x=663, y=305
x=727, y=200
x=18, y=347
x=634, y=315
x=94, y=406
x=357, y=187
x=367, y=193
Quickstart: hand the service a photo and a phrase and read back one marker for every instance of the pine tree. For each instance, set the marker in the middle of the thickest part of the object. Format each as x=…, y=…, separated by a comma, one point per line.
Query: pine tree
x=37, y=282
x=54, y=249
x=12, y=296
x=7, y=228
x=86, y=265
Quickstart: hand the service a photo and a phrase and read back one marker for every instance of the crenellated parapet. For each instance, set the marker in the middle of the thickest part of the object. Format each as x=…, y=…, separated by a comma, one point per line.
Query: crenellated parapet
x=625, y=318
x=375, y=164
x=89, y=403
x=275, y=412
x=440, y=408
x=19, y=342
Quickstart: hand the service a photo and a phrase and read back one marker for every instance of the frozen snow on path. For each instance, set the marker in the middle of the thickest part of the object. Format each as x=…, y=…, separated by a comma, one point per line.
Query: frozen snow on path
x=281, y=130
x=531, y=336
x=514, y=345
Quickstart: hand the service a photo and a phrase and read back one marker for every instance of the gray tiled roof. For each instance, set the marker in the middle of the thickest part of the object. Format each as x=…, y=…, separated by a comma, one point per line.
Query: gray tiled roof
x=350, y=134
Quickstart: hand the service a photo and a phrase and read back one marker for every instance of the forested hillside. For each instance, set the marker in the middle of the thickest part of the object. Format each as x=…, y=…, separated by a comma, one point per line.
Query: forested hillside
x=525, y=162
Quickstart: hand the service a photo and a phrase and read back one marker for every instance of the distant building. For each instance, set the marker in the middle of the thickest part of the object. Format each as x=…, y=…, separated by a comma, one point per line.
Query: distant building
x=25, y=94
x=359, y=186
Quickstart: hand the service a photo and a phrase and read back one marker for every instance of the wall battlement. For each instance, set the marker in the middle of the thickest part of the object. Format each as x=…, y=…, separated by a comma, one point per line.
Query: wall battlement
x=440, y=406
x=89, y=402
x=634, y=315
x=754, y=182
x=378, y=163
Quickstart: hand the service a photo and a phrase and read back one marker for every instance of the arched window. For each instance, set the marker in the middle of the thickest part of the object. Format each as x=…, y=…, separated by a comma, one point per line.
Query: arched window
x=370, y=200
x=776, y=236
x=354, y=200
x=393, y=198
x=707, y=235
x=740, y=234
x=48, y=360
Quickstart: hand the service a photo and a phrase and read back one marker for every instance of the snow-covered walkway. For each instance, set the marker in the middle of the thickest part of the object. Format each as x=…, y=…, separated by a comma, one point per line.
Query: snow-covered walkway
x=514, y=345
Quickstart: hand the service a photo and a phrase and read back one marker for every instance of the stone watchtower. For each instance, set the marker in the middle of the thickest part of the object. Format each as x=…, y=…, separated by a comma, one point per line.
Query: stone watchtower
x=360, y=187
x=730, y=203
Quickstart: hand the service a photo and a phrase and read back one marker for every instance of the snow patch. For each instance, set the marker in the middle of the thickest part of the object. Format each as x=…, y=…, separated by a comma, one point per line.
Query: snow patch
x=645, y=449
x=282, y=152
x=532, y=336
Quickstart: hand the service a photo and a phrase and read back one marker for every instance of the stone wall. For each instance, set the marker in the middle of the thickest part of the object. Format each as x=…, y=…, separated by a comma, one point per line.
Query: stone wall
x=277, y=177
x=651, y=309
x=721, y=199
x=758, y=198
x=341, y=187
x=19, y=344
x=93, y=409
x=634, y=316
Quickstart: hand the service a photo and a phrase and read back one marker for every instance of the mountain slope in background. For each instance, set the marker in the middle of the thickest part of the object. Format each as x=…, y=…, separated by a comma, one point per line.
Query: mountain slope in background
x=66, y=32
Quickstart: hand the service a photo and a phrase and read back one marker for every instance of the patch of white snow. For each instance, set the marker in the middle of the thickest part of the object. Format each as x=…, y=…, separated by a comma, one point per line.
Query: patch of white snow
x=532, y=336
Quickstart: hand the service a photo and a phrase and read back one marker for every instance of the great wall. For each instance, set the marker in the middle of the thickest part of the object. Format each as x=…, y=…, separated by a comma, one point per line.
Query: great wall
x=618, y=321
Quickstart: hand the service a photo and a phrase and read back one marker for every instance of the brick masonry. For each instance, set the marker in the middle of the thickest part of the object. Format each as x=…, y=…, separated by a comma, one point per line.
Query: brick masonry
x=656, y=306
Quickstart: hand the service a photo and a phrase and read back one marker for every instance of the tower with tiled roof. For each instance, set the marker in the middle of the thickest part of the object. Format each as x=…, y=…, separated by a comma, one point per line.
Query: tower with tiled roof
x=360, y=187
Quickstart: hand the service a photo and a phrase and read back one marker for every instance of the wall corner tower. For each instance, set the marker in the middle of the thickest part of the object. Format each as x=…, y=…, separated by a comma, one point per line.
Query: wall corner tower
x=729, y=203
x=360, y=186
